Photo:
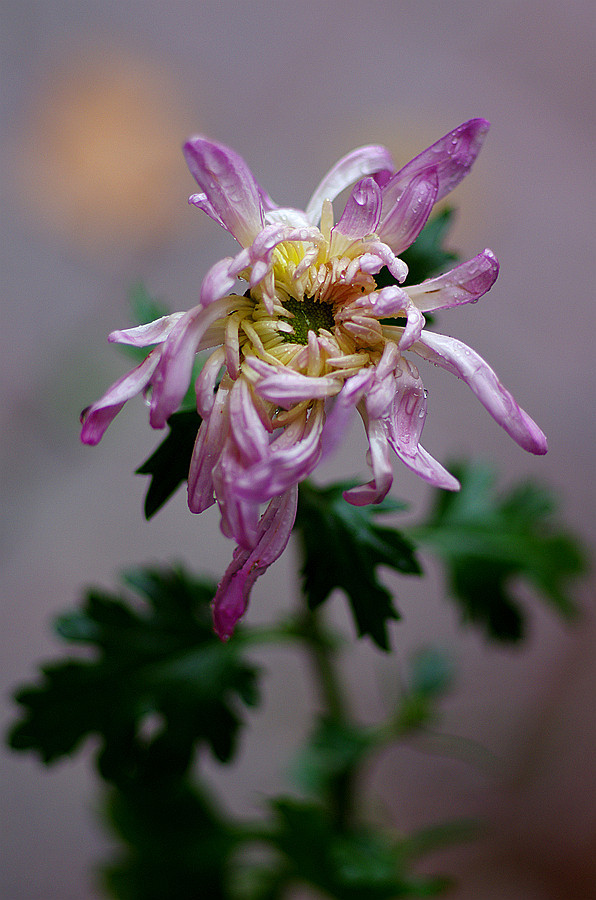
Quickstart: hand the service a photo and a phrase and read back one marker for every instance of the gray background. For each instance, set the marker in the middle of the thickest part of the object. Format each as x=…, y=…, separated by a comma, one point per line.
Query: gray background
x=96, y=100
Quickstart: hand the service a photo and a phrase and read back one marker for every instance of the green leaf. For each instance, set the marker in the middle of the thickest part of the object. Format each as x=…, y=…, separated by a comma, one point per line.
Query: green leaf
x=342, y=546
x=168, y=465
x=426, y=256
x=487, y=540
x=159, y=684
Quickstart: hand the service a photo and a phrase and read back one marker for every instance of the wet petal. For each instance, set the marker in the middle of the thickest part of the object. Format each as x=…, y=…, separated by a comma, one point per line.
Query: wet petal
x=234, y=589
x=377, y=489
x=451, y=157
x=361, y=214
x=402, y=223
x=144, y=335
x=463, y=284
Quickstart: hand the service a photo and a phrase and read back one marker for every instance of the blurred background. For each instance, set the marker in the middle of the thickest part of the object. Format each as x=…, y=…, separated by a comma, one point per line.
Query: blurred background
x=96, y=101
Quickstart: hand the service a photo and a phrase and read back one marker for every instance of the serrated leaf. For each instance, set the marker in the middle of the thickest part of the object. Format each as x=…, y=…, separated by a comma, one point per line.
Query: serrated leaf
x=487, y=540
x=160, y=684
x=168, y=465
x=342, y=547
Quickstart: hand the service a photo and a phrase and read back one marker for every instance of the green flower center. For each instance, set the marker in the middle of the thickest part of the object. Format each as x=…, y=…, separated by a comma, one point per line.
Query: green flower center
x=309, y=315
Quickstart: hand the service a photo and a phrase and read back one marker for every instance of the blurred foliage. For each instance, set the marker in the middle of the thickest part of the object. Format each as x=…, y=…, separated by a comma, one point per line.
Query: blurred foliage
x=488, y=541
x=158, y=684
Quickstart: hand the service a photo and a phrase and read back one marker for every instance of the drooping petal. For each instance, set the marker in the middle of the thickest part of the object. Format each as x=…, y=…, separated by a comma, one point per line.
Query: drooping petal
x=234, y=589
x=402, y=223
x=461, y=360
x=452, y=157
x=361, y=213
x=247, y=427
x=426, y=467
x=463, y=284
x=97, y=418
x=232, y=194
x=368, y=160
x=336, y=421
x=404, y=428
x=209, y=444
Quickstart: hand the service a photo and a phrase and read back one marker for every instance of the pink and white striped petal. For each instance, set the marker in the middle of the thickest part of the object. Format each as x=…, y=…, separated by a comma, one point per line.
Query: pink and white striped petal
x=369, y=160
x=459, y=359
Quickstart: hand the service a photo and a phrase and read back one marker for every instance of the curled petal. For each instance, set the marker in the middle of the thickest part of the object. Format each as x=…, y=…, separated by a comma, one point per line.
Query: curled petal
x=97, y=418
x=402, y=223
x=232, y=195
x=144, y=335
x=404, y=428
x=451, y=157
x=361, y=213
x=273, y=534
x=463, y=284
x=201, y=201
x=369, y=160
x=426, y=467
x=290, y=459
x=461, y=360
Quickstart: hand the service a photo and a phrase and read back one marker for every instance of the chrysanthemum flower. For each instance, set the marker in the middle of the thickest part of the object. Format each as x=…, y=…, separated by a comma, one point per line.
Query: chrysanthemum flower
x=298, y=330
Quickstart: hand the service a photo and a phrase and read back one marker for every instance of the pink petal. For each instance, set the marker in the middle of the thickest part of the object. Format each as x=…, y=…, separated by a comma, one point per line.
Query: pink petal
x=97, y=418
x=363, y=161
x=291, y=458
x=232, y=194
x=361, y=213
x=402, y=223
x=143, y=335
x=285, y=387
x=461, y=360
x=273, y=534
x=463, y=284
